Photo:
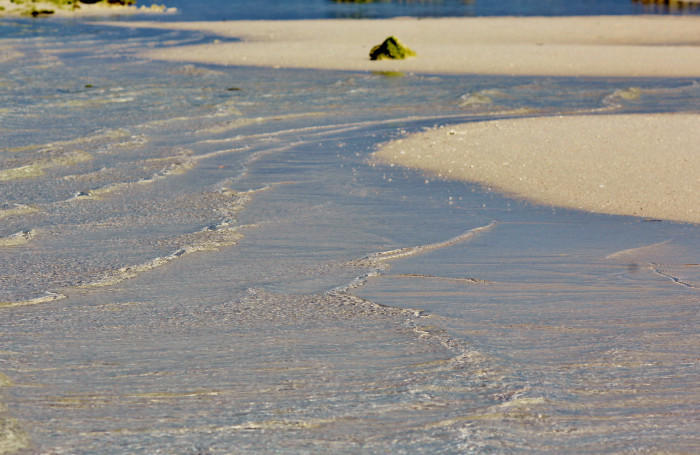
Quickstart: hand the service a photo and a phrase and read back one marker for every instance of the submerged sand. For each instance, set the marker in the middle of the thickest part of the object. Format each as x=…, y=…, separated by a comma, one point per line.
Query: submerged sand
x=640, y=165
x=654, y=46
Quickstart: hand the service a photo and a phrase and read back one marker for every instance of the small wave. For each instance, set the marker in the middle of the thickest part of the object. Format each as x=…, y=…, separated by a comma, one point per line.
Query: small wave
x=665, y=272
x=210, y=238
x=377, y=262
x=420, y=249
x=47, y=297
x=128, y=272
x=181, y=165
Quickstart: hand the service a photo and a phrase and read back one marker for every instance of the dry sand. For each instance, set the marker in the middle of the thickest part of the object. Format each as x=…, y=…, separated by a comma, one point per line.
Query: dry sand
x=640, y=165
x=559, y=46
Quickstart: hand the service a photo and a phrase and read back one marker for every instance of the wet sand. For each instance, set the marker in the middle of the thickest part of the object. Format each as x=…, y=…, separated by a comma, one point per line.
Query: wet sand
x=649, y=46
x=640, y=165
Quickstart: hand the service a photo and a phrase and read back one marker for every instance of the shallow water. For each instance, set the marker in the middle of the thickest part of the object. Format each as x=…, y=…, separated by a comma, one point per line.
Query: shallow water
x=200, y=259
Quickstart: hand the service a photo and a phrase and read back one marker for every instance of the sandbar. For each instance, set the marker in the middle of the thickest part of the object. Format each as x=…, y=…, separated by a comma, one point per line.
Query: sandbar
x=648, y=46
x=644, y=165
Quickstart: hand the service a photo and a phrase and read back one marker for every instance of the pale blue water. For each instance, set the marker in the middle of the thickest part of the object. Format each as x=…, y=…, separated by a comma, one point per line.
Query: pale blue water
x=209, y=237
x=325, y=9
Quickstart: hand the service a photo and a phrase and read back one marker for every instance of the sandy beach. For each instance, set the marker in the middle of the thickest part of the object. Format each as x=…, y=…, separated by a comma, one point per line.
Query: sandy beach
x=640, y=165
x=649, y=46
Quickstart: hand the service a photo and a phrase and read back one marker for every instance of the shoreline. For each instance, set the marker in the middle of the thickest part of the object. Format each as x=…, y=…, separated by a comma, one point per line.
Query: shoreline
x=604, y=46
x=625, y=164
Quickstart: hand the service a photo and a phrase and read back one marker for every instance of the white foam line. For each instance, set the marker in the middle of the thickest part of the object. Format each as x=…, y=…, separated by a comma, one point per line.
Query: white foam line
x=233, y=236
x=223, y=227
x=47, y=297
x=656, y=268
x=420, y=249
x=377, y=261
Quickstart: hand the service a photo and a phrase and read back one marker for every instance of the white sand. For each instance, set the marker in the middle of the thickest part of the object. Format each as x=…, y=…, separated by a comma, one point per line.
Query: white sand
x=559, y=46
x=641, y=165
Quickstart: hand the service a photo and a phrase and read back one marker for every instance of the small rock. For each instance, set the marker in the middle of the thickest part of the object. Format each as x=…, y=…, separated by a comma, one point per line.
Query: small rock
x=392, y=49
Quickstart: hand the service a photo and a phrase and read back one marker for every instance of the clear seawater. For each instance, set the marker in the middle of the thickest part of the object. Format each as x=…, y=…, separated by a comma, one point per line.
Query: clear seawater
x=198, y=259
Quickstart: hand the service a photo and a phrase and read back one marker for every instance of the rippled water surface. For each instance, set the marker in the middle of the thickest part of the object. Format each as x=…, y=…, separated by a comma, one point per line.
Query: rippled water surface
x=199, y=259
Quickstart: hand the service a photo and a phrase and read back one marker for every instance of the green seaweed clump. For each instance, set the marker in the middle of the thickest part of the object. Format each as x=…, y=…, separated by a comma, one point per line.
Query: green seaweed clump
x=392, y=49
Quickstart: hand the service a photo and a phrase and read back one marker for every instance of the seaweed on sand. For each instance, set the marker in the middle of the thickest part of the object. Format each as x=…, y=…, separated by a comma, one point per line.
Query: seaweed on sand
x=391, y=48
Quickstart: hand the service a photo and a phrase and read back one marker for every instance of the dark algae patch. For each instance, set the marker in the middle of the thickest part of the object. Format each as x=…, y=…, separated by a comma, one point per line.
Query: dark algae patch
x=391, y=49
